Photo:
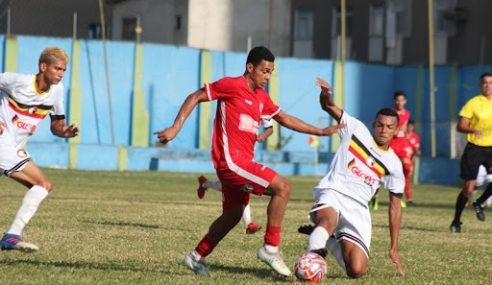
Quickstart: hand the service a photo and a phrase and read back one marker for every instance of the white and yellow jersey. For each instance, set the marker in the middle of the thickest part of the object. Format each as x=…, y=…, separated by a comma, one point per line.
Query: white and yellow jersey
x=22, y=106
x=360, y=167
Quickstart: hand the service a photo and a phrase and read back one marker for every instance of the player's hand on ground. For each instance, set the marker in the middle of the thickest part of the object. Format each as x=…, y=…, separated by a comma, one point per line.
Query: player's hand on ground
x=325, y=86
x=166, y=135
x=2, y=127
x=70, y=131
x=331, y=129
x=396, y=260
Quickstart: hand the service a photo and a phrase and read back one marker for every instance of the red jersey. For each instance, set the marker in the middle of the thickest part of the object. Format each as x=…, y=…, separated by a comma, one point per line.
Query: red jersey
x=403, y=119
x=414, y=140
x=238, y=116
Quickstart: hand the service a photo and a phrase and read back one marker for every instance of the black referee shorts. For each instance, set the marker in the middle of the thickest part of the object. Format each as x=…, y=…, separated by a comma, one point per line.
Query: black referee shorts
x=473, y=157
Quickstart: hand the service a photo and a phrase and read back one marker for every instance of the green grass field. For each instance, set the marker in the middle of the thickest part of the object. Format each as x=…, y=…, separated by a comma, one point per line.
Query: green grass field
x=136, y=227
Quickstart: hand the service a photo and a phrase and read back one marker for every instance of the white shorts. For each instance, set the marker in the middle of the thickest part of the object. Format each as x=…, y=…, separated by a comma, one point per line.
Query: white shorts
x=354, y=218
x=12, y=159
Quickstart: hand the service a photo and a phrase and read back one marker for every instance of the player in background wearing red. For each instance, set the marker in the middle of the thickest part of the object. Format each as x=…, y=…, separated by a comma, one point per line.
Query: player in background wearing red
x=411, y=151
x=400, y=144
x=242, y=103
x=204, y=183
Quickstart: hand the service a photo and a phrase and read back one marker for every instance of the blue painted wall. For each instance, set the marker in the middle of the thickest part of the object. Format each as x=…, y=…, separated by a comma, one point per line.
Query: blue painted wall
x=299, y=97
x=171, y=73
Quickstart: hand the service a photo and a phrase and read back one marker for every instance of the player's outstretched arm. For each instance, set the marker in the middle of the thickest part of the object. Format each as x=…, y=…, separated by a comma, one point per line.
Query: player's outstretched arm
x=394, y=224
x=326, y=100
x=189, y=104
x=299, y=125
x=60, y=129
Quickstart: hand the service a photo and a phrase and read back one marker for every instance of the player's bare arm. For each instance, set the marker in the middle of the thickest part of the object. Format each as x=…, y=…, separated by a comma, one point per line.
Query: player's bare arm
x=326, y=100
x=299, y=125
x=395, y=215
x=189, y=104
x=2, y=127
x=463, y=126
x=60, y=129
x=262, y=137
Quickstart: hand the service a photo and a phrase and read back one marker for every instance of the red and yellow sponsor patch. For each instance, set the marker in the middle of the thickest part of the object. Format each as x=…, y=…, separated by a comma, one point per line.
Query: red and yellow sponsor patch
x=361, y=152
x=30, y=111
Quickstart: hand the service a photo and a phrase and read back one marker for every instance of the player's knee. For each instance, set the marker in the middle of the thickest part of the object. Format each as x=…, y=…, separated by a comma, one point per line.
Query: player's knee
x=356, y=271
x=48, y=185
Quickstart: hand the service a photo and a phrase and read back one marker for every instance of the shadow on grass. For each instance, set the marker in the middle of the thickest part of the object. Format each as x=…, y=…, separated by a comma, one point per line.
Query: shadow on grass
x=123, y=224
x=82, y=265
x=261, y=273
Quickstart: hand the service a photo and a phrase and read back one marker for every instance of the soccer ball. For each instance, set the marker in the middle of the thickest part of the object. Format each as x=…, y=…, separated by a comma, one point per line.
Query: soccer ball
x=310, y=267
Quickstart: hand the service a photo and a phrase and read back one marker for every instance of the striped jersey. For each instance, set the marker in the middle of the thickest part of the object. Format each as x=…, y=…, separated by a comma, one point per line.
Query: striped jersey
x=360, y=167
x=23, y=107
x=240, y=111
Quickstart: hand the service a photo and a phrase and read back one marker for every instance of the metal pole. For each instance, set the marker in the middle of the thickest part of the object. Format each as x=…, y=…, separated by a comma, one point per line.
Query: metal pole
x=138, y=30
x=106, y=67
x=74, y=30
x=8, y=22
x=431, y=77
x=344, y=30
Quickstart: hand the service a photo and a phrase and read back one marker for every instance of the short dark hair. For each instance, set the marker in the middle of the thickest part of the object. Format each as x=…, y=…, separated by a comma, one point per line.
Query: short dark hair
x=388, y=112
x=257, y=54
x=399, y=93
x=412, y=122
x=486, y=74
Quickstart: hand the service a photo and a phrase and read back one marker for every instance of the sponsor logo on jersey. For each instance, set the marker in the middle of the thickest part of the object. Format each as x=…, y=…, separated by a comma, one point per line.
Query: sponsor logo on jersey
x=248, y=124
x=248, y=102
x=23, y=125
x=368, y=179
x=364, y=155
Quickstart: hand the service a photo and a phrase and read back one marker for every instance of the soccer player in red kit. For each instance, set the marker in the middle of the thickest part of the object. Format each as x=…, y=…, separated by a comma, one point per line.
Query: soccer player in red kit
x=400, y=143
x=242, y=103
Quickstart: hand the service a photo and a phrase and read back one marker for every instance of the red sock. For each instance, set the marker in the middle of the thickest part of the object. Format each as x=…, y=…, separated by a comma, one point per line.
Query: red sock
x=205, y=246
x=272, y=235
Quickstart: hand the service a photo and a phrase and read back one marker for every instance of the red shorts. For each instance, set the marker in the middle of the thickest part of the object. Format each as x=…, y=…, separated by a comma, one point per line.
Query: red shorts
x=233, y=177
x=402, y=148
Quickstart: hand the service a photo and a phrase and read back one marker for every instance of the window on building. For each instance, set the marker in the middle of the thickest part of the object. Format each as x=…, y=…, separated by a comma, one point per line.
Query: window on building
x=303, y=33
x=94, y=31
x=336, y=33
x=376, y=33
x=128, y=31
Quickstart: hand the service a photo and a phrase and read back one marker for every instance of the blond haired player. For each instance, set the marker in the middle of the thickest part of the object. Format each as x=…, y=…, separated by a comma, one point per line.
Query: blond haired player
x=25, y=100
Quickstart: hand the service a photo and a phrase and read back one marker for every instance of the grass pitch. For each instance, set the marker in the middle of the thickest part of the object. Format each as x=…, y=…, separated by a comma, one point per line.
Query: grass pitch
x=136, y=227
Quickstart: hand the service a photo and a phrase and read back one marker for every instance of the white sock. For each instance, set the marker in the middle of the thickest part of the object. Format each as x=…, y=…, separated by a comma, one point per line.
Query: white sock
x=247, y=216
x=196, y=256
x=271, y=248
x=336, y=249
x=318, y=238
x=214, y=184
x=30, y=204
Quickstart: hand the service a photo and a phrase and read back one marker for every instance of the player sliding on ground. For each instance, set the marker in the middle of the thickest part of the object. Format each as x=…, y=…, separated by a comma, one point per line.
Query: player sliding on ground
x=25, y=100
x=362, y=163
x=242, y=103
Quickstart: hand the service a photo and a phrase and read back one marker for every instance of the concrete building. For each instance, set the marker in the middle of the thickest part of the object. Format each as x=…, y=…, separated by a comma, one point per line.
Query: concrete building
x=378, y=31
